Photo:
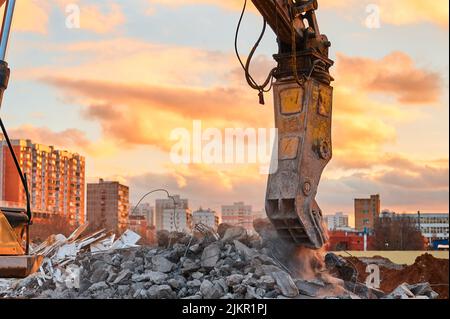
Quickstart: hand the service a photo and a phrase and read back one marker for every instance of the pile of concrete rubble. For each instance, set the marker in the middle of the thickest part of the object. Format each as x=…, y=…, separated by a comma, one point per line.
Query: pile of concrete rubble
x=228, y=264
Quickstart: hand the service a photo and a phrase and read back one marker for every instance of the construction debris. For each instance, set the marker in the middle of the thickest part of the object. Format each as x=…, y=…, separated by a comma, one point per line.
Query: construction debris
x=229, y=264
x=426, y=270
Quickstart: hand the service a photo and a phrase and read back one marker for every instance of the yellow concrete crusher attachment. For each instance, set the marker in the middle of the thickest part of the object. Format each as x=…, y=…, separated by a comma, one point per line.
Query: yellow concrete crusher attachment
x=303, y=120
x=303, y=115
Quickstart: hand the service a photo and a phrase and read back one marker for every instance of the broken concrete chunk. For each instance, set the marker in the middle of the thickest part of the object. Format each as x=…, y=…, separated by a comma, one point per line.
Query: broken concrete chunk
x=189, y=266
x=222, y=229
x=195, y=248
x=153, y=276
x=210, y=290
x=243, y=250
x=235, y=233
x=340, y=267
x=123, y=276
x=99, y=275
x=308, y=288
x=193, y=297
x=197, y=275
x=433, y=295
x=267, y=282
x=401, y=292
x=161, y=292
x=262, y=270
x=98, y=286
x=194, y=283
x=265, y=229
x=210, y=256
x=422, y=289
x=161, y=264
x=234, y=280
x=285, y=283
x=251, y=293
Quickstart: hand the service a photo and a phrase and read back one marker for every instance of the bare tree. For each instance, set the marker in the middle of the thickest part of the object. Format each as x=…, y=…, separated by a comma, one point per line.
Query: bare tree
x=398, y=233
x=42, y=229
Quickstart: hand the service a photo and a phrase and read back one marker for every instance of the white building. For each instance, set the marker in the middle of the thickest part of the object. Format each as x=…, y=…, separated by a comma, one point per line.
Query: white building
x=238, y=214
x=145, y=209
x=168, y=203
x=432, y=226
x=336, y=221
x=179, y=220
x=207, y=217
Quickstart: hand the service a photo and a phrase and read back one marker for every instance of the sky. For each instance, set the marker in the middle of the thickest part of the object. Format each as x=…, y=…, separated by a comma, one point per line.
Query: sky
x=115, y=81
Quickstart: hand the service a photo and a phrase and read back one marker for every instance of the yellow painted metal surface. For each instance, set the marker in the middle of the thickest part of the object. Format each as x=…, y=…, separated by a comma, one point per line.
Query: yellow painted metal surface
x=291, y=100
x=9, y=243
x=289, y=148
x=325, y=100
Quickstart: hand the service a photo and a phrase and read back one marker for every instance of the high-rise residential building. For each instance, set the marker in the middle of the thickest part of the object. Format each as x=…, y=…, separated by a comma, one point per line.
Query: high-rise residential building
x=56, y=180
x=337, y=221
x=108, y=205
x=177, y=220
x=367, y=211
x=145, y=209
x=206, y=217
x=238, y=214
x=168, y=203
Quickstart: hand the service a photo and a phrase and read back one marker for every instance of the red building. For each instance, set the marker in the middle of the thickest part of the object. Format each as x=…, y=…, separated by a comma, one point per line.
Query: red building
x=139, y=224
x=348, y=240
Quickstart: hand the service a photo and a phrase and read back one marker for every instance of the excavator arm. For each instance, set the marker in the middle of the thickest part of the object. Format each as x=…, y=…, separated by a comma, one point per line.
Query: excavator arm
x=303, y=111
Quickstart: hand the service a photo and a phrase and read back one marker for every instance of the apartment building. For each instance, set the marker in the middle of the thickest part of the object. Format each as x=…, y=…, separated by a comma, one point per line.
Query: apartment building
x=108, y=205
x=206, y=217
x=367, y=211
x=56, y=180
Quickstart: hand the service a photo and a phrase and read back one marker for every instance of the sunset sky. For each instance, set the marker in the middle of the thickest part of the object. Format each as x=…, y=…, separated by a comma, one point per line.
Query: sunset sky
x=115, y=88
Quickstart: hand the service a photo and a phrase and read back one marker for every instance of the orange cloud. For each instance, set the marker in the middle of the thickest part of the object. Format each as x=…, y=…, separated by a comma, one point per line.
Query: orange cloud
x=34, y=15
x=93, y=19
x=147, y=114
x=31, y=16
x=70, y=138
x=132, y=104
x=398, y=12
x=395, y=74
x=138, y=62
x=401, y=12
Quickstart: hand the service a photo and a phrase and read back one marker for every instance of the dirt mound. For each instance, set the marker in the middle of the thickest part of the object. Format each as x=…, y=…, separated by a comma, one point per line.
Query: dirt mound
x=426, y=268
